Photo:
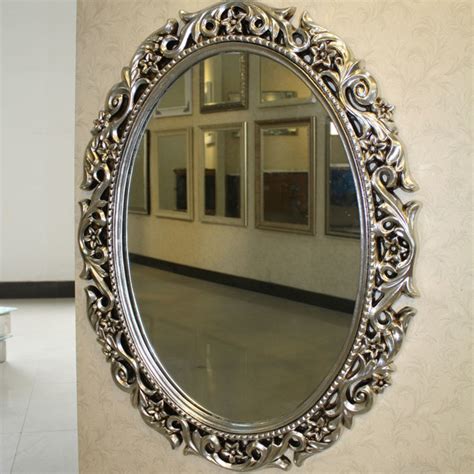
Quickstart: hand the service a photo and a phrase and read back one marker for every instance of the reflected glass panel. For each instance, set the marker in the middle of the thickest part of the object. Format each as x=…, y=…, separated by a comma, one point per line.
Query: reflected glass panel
x=285, y=162
x=172, y=168
x=223, y=165
x=224, y=82
x=280, y=86
x=177, y=99
x=342, y=210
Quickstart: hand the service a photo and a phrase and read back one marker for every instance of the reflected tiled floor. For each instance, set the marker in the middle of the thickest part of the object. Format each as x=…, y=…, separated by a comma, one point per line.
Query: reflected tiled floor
x=232, y=350
x=38, y=425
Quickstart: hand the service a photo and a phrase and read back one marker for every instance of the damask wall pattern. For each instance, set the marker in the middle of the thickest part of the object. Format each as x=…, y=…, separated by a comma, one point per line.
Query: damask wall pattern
x=421, y=54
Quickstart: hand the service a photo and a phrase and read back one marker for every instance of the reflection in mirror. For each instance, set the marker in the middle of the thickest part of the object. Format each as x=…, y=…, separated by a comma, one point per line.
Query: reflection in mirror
x=342, y=213
x=222, y=168
x=139, y=195
x=248, y=321
x=173, y=165
x=177, y=99
x=284, y=177
x=224, y=82
x=279, y=86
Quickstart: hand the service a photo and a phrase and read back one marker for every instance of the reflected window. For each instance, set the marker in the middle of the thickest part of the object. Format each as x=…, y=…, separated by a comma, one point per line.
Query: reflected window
x=223, y=174
x=280, y=86
x=224, y=82
x=342, y=213
x=173, y=167
x=139, y=197
x=284, y=175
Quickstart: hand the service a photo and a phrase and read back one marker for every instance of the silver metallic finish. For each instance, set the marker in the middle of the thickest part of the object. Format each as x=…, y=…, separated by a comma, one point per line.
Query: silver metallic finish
x=377, y=160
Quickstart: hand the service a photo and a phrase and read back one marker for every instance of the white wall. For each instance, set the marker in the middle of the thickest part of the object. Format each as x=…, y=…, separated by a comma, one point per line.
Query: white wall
x=37, y=140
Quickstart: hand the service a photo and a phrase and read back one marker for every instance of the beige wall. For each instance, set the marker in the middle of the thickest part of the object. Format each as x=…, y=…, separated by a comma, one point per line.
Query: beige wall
x=421, y=52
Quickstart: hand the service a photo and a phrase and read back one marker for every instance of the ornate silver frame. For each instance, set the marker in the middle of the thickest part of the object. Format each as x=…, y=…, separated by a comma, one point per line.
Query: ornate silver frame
x=388, y=247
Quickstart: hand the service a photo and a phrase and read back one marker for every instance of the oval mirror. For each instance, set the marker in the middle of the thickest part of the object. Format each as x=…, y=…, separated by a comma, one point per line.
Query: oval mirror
x=246, y=269
x=243, y=238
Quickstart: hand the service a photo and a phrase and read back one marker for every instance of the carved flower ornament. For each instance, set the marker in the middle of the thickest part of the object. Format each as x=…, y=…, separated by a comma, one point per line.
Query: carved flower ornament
x=92, y=237
x=149, y=62
x=317, y=429
x=394, y=251
x=373, y=148
x=233, y=21
x=322, y=54
x=102, y=122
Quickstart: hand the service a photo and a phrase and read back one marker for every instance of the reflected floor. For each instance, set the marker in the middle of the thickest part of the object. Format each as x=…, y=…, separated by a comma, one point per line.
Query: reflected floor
x=243, y=355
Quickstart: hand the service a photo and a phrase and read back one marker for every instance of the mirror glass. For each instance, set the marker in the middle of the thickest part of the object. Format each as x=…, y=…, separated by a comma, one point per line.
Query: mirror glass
x=248, y=304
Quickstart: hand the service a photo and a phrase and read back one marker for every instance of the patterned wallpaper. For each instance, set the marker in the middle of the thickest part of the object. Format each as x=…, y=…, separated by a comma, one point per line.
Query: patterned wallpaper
x=421, y=52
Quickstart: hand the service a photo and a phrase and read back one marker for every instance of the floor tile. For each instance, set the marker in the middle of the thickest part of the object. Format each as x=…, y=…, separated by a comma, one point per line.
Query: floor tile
x=56, y=370
x=8, y=445
x=17, y=373
x=52, y=407
x=13, y=408
x=47, y=452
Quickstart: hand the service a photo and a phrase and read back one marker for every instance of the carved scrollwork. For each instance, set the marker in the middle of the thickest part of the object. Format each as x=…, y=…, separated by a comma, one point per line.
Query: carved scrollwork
x=352, y=93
